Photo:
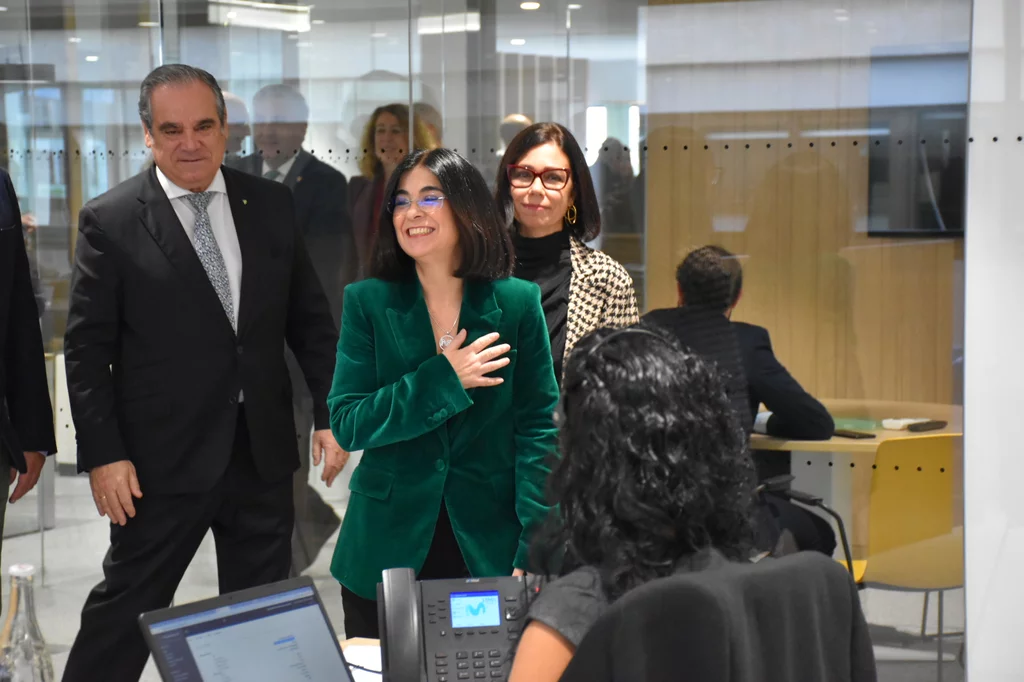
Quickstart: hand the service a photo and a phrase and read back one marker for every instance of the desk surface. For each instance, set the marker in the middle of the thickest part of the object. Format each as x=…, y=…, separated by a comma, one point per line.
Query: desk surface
x=358, y=641
x=876, y=410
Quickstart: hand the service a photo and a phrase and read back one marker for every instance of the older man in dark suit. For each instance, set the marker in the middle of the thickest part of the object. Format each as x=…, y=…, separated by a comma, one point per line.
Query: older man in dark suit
x=26, y=417
x=189, y=280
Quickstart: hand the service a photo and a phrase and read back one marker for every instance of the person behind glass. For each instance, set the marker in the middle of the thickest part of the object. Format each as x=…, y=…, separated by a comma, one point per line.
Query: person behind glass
x=431, y=118
x=385, y=142
x=546, y=193
x=655, y=479
x=238, y=129
x=444, y=379
x=280, y=123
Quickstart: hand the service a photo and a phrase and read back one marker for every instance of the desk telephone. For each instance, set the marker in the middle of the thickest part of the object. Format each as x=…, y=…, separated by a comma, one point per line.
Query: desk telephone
x=450, y=630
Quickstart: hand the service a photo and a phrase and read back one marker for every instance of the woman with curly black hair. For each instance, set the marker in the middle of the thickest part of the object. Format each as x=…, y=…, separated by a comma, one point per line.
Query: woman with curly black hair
x=655, y=478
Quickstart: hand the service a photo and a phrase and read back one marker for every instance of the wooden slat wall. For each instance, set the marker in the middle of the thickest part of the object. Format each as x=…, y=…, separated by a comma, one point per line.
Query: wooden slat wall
x=851, y=316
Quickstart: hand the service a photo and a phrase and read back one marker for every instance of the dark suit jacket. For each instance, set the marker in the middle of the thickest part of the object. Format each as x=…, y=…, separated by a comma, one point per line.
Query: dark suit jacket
x=154, y=368
x=709, y=333
x=794, y=619
x=322, y=215
x=795, y=412
x=484, y=453
x=26, y=416
x=361, y=204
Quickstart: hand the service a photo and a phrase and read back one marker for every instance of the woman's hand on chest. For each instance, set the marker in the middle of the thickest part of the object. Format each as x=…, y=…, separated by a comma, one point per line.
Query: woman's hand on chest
x=473, y=363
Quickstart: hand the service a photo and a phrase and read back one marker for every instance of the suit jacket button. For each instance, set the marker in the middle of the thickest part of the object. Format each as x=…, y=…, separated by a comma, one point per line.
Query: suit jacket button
x=439, y=465
x=233, y=399
x=239, y=349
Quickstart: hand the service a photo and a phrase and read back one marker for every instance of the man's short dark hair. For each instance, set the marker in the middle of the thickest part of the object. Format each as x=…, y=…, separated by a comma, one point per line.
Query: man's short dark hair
x=710, y=277
x=485, y=242
x=177, y=74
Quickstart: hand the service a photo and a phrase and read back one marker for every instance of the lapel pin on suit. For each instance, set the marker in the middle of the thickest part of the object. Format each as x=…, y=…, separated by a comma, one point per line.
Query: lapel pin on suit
x=245, y=202
x=298, y=179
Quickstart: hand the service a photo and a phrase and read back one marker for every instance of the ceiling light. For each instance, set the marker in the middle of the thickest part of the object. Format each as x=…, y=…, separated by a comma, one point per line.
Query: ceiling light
x=454, y=22
x=293, y=36
x=92, y=58
x=378, y=35
x=149, y=24
x=574, y=6
x=842, y=15
x=305, y=43
x=529, y=5
x=517, y=41
x=319, y=22
x=74, y=39
x=3, y=9
x=287, y=18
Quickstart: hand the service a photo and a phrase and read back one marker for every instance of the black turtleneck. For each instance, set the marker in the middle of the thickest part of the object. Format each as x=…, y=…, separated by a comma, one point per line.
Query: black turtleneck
x=546, y=261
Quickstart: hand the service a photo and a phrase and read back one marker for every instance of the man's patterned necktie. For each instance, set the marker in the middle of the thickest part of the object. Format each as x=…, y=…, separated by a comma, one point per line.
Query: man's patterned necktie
x=209, y=253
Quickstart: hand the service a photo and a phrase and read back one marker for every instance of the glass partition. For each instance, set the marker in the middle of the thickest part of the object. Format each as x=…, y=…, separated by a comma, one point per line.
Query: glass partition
x=824, y=145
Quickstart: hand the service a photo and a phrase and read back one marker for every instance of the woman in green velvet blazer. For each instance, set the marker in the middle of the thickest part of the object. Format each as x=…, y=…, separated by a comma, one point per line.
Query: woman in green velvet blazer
x=456, y=426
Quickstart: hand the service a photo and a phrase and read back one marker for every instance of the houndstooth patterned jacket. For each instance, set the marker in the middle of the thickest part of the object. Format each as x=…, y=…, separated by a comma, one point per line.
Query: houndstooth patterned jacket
x=600, y=295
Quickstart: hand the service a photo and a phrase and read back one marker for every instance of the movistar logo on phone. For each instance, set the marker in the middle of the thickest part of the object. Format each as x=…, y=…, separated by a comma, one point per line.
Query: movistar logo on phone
x=477, y=610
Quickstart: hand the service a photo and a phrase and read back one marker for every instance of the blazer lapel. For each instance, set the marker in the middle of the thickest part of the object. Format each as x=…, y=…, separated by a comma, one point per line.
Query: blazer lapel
x=480, y=316
x=580, y=313
x=160, y=220
x=410, y=325
x=480, y=312
x=294, y=176
x=242, y=217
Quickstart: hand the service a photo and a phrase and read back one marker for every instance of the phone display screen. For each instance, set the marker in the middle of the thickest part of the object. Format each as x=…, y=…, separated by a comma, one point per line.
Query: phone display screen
x=476, y=609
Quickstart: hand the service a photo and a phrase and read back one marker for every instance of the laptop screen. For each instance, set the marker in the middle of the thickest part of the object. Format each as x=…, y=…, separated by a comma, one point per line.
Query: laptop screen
x=283, y=637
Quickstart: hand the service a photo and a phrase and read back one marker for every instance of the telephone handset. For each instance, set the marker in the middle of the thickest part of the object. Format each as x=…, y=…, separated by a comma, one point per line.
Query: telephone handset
x=450, y=630
x=398, y=610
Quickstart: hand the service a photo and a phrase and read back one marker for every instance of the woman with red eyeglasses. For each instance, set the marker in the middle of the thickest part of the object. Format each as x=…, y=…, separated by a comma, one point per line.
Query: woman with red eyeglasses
x=546, y=194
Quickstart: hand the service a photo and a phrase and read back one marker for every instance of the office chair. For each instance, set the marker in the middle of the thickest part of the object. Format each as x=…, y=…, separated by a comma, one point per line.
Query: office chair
x=792, y=619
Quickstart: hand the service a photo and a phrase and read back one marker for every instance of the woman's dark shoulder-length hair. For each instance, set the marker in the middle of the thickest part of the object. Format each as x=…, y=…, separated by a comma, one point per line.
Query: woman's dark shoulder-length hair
x=485, y=242
x=654, y=464
x=588, y=216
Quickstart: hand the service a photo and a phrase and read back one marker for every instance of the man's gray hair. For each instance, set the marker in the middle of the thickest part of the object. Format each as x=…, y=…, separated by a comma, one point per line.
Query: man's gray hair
x=297, y=107
x=176, y=74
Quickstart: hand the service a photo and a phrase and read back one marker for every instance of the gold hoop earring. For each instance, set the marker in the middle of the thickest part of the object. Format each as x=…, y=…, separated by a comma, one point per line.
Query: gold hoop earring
x=570, y=215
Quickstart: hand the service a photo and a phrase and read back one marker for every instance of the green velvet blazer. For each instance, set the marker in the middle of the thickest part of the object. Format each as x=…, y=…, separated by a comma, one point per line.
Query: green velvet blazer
x=485, y=452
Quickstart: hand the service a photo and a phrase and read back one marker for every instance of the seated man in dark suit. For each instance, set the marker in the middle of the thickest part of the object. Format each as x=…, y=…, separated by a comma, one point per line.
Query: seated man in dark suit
x=320, y=193
x=710, y=282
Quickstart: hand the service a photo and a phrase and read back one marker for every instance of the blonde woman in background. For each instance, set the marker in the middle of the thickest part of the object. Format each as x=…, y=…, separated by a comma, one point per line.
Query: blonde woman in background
x=384, y=144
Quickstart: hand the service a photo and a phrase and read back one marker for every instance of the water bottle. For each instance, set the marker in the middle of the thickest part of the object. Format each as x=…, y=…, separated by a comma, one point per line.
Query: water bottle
x=23, y=653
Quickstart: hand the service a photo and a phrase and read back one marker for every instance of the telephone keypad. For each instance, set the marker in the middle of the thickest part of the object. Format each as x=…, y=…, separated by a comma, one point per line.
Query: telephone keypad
x=462, y=654
x=494, y=653
x=478, y=654
x=479, y=664
x=463, y=676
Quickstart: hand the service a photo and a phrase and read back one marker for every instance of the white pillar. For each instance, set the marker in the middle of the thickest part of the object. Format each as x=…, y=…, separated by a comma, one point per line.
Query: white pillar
x=994, y=348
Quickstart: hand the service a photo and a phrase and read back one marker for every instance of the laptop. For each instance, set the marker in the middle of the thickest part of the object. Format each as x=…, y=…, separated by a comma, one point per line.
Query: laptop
x=274, y=633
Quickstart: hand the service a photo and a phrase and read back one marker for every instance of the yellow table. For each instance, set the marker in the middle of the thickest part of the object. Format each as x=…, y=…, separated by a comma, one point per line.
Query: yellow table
x=839, y=469
x=876, y=410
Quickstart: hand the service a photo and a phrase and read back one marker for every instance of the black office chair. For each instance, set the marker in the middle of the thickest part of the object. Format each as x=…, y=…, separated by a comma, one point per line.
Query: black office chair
x=779, y=485
x=793, y=619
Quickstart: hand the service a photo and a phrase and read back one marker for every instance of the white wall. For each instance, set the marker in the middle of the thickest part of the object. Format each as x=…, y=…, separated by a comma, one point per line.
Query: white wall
x=994, y=361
